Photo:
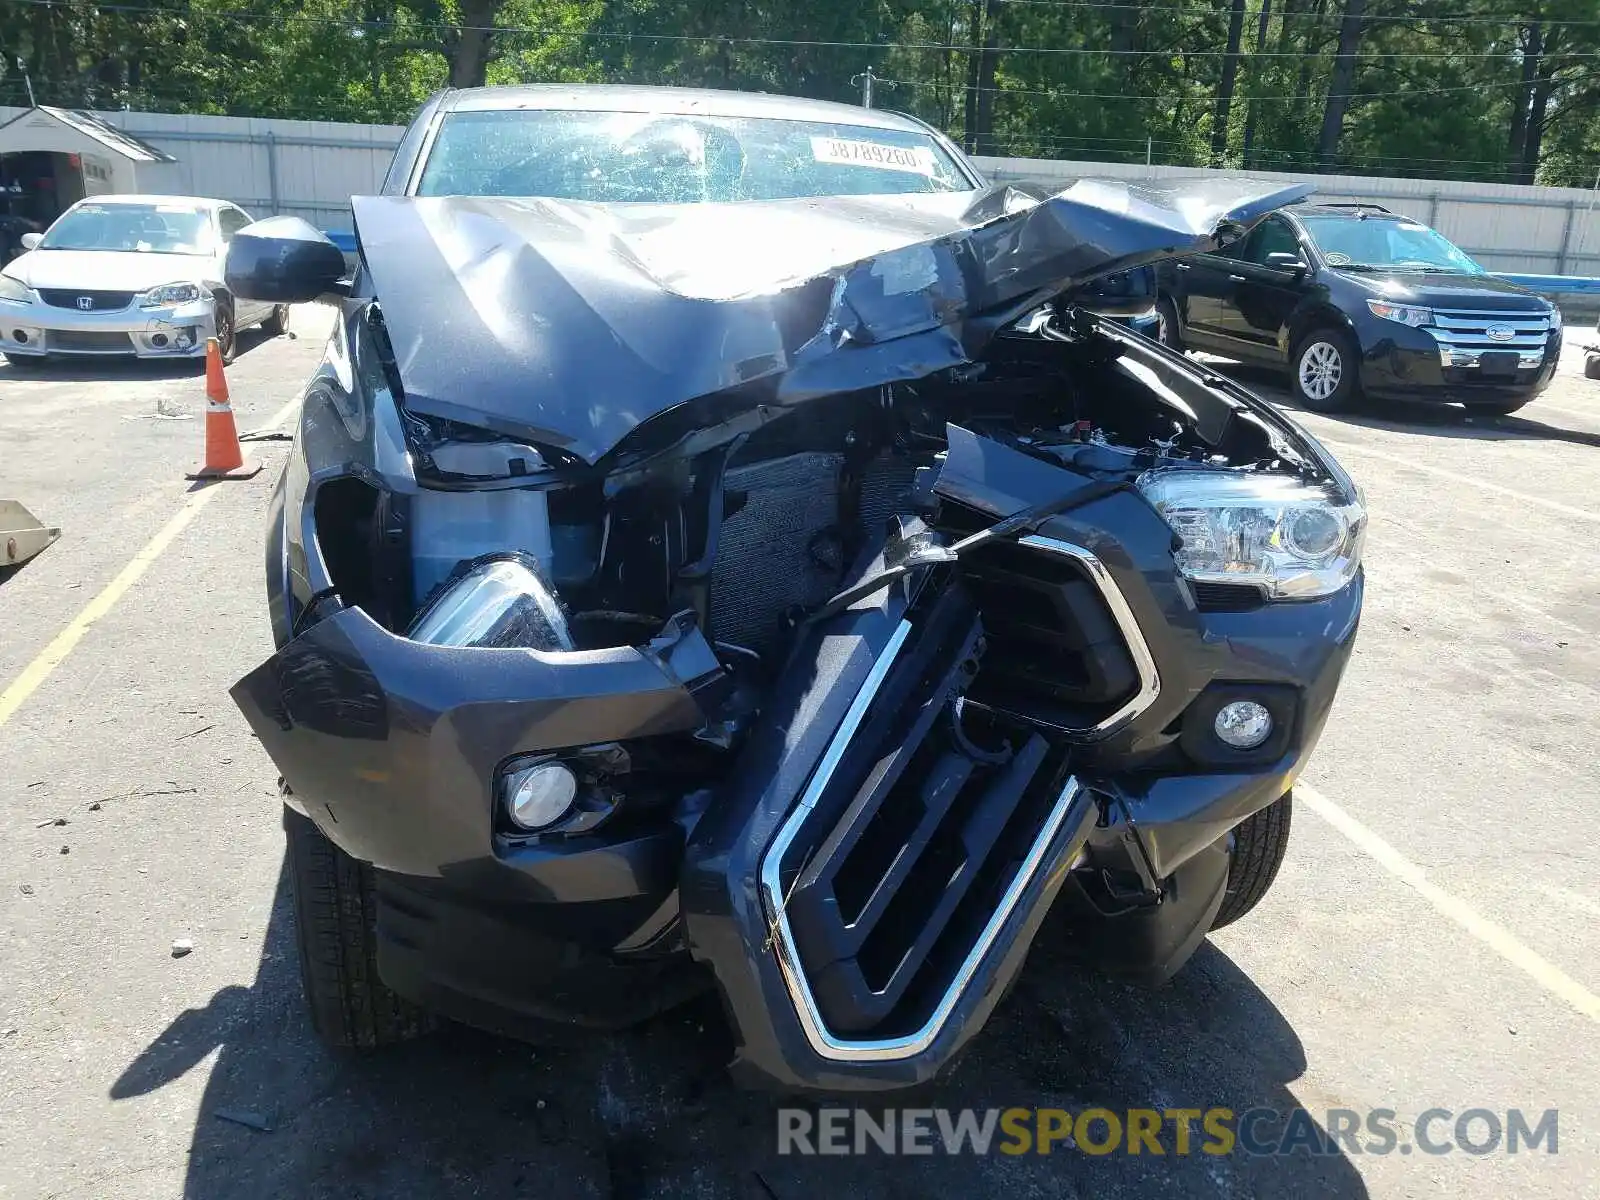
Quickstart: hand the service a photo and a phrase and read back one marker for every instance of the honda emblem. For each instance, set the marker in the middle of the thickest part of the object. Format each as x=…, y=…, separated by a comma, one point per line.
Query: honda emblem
x=86, y=302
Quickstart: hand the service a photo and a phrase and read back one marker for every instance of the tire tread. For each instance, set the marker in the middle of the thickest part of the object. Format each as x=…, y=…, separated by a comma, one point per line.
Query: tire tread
x=336, y=929
x=1259, y=844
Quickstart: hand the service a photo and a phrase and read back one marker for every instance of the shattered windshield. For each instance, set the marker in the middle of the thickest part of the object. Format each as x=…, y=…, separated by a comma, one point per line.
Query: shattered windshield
x=629, y=157
x=132, y=229
x=1379, y=242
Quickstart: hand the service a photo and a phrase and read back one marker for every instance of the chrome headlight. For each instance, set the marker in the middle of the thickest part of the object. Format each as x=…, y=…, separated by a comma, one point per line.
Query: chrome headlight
x=15, y=289
x=1406, y=314
x=1555, y=317
x=1294, y=540
x=174, y=293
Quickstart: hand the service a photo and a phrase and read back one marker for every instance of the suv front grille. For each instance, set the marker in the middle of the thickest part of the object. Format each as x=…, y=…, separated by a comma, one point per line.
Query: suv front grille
x=98, y=301
x=1464, y=335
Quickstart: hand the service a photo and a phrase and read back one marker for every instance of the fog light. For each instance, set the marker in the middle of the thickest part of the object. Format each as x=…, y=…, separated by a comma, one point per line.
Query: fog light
x=540, y=795
x=158, y=340
x=1243, y=724
x=21, y=336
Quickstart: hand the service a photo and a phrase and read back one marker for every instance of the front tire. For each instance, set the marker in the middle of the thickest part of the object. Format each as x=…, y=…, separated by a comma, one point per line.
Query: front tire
x=1259, y=844
x=227, y=334
x=1169, y=332
x=277, y=322
x=336, y=930
x=1324, y=366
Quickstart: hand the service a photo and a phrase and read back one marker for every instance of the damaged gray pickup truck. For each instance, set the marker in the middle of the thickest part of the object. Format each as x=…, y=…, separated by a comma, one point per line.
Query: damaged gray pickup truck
x=727, y=545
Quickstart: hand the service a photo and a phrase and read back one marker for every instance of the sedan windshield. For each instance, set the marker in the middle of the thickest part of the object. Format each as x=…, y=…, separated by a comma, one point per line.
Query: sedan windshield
x=1385, y=242
x=132, y=229
x=621, y=157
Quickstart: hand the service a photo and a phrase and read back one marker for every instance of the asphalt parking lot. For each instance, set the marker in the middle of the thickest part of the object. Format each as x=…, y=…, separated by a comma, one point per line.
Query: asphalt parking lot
x=1432, y=941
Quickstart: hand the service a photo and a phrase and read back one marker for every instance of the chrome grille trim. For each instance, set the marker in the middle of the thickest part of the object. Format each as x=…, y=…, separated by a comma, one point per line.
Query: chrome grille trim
x=827, y=1044
x=1143, y=661
x=1463, y=335
x=824, y=1041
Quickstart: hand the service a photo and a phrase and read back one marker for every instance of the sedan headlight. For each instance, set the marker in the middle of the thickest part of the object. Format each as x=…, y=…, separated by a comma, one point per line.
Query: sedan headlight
x=14, y=289
x=1406, y=314
x=1296, y=541
x=174, y=293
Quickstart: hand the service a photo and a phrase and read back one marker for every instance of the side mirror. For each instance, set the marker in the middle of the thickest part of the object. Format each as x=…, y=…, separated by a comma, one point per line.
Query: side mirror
x=1285, y=261
x=283, y=260
x=30, y=241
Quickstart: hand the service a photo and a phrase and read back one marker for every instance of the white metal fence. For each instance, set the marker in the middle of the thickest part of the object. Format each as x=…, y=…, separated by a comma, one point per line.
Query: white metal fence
x=308, y=169
x=312, y=168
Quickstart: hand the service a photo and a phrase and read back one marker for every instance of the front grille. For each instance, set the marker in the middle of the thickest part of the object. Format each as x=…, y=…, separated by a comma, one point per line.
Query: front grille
x=1054, y=652
x=98, y=301
x=1228, y=597
x=915, y=837
x=1500, y=338
x=87, y=342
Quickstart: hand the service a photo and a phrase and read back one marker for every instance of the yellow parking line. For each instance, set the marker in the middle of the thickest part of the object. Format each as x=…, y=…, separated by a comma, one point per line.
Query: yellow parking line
x=51, y=657
x=1581, y=514
x=1499, y=939
x=62, y=644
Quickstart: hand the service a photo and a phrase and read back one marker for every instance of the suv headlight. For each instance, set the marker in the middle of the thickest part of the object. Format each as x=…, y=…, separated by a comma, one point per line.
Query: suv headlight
x=14, y=289
x=174, y=293
x=1406, y=314
x=1296, y=541
x=1555, y=317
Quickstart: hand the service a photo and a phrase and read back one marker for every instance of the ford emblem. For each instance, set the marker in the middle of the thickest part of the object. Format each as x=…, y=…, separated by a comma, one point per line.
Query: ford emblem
x=1500, y=333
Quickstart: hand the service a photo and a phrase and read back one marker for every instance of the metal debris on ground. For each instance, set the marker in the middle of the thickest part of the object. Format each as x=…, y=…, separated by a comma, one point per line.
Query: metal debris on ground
x=249, y=1120
x=22, y=535
x=165, y=411
x=26, y=889
x=194, y=732
x=138, y=793
x=182, y=946
x=51, y=821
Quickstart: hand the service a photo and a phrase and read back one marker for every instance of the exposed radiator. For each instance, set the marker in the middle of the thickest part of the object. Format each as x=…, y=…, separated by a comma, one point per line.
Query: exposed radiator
x=770, y=558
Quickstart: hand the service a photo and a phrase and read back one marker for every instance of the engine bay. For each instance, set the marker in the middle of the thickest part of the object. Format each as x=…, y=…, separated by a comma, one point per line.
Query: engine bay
x=751, y=528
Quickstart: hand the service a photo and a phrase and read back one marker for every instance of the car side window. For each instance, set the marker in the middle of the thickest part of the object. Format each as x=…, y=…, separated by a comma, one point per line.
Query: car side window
x=1272, y=236
x=231, y=220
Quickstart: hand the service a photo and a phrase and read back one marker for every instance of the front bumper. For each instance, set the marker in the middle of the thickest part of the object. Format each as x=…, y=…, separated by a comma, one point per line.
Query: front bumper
x=392, y=747
x=1400, y=363
x=40, y=330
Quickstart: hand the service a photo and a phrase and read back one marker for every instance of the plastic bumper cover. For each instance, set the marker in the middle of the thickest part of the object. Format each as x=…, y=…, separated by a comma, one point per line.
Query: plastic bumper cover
x=44, y=329
x=1409, y=364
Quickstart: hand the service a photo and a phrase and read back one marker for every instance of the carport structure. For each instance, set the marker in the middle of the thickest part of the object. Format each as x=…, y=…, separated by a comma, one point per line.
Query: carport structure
x=51, y=158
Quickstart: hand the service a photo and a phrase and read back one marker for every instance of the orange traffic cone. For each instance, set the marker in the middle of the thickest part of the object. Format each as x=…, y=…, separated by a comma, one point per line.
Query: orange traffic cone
x=224, y=459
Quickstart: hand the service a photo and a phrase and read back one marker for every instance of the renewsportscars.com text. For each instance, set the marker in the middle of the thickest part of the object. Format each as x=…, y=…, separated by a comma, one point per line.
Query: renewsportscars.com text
x=1176, y=1131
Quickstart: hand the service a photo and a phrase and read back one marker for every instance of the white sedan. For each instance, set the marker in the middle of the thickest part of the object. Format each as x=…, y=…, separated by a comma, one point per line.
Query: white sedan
x=120, y=275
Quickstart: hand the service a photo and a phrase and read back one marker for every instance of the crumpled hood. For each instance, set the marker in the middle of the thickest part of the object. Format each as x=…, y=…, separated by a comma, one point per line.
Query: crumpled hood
x=574, y=323
x=107, y=270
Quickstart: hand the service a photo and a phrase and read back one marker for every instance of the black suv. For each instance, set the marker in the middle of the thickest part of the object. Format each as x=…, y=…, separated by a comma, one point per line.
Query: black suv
x=1355, y=300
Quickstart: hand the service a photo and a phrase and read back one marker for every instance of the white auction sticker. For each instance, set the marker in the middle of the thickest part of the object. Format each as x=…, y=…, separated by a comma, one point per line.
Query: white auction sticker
x=916, y=160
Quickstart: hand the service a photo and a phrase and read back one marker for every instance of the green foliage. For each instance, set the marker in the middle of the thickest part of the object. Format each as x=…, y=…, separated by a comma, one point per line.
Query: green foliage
x=1505, y=90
